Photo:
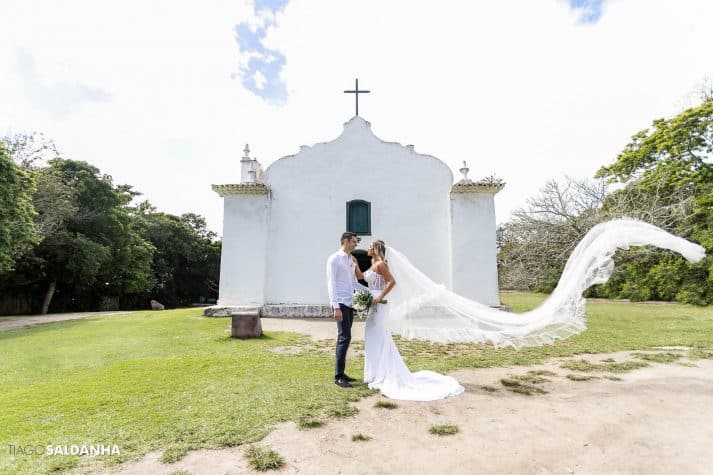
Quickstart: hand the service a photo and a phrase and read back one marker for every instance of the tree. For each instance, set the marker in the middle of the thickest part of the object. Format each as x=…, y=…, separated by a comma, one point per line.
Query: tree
x=89, y=248
x=186, y=263
x=535, y=245
x=17, y=230
x=671, y=164
x=33, y=150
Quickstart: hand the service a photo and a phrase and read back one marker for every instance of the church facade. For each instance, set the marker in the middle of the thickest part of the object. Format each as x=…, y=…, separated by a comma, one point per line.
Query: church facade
x=281, y=224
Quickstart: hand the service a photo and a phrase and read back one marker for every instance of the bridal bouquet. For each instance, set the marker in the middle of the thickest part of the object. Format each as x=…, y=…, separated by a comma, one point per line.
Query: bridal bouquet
x=361, y=302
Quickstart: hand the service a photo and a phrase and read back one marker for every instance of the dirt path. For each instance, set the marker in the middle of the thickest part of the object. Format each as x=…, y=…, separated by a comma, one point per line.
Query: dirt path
x=20, y=321
x=654, y=420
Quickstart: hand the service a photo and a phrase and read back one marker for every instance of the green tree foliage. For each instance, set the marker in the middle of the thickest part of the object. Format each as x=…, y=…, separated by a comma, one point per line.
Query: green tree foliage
x=17, y=230
x=186, y=261
x=77, y=243
x=90, y=248
x=664, y=176
x=671, y=160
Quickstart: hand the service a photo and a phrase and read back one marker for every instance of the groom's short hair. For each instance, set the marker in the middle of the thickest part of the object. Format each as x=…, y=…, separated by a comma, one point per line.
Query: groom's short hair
x=346, y=236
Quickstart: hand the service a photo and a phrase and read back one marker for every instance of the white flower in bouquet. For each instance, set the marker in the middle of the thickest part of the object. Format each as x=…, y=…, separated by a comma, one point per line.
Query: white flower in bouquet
x=361, y=301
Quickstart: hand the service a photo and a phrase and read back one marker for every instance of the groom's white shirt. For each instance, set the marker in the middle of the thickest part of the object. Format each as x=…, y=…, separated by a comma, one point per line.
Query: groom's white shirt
x=341, y=279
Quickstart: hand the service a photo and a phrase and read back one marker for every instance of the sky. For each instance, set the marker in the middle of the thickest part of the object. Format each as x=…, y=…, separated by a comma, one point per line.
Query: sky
x=164, y=95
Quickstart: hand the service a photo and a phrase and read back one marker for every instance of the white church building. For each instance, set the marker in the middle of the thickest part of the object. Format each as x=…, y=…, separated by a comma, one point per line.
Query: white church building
x=281, y=224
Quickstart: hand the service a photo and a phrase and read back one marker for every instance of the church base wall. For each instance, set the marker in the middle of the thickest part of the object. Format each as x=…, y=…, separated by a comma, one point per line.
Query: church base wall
x=296, y=311
x=283, y=311
x=272, y=311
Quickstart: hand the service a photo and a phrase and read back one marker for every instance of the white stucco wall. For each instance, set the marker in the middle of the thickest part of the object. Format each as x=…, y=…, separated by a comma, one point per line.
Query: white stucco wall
x=475, y=273
x=242, y=260
x=410, y=202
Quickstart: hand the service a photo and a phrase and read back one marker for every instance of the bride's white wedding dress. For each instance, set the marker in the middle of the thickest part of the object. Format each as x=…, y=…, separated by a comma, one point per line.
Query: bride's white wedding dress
x=383, y=367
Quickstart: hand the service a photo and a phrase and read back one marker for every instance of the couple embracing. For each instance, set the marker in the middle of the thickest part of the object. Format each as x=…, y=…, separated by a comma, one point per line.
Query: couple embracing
x=384, y=368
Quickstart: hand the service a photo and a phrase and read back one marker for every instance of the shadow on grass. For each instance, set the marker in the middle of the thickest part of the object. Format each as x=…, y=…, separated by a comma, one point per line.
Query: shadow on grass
x=263, y=337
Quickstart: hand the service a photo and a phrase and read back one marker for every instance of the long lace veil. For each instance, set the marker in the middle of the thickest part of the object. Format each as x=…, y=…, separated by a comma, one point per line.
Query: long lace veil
x=421, y=309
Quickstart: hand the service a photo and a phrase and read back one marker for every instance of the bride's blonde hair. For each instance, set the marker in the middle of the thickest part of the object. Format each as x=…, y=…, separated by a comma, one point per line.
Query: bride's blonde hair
x=380, y=248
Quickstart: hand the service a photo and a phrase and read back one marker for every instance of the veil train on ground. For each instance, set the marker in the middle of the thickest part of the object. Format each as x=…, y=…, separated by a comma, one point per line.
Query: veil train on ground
x=419, y=308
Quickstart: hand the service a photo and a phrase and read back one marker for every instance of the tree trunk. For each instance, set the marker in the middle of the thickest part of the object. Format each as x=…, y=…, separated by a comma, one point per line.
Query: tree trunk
x=48, y=297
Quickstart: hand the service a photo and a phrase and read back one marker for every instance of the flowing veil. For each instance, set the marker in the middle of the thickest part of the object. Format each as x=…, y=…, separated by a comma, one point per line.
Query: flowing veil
x=421, y=309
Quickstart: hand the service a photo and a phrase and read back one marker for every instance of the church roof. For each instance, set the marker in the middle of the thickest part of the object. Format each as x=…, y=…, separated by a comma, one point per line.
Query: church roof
x=241, y=189
x=474, y=187
x=489, y=184
x=359, y=126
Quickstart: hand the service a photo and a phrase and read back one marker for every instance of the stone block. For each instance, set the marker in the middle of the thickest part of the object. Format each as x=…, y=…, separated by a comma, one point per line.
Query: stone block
x=246, y=325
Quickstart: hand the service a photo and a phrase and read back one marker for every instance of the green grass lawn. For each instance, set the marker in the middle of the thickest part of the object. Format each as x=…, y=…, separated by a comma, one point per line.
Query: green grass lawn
x=176, y=381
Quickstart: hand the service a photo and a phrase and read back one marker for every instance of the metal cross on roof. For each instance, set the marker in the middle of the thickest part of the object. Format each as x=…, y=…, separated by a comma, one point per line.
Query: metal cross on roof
x=356, y=93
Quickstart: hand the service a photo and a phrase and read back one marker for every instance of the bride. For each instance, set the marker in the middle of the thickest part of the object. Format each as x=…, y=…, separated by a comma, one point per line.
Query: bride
x=383, y=367
x=421, y=309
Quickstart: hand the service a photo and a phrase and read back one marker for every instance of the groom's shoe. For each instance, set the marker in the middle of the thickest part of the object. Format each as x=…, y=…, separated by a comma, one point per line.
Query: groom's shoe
x=342, y=383
x=349, y=378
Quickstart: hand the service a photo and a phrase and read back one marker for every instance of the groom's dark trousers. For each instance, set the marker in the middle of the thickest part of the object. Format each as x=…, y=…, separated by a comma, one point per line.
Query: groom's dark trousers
x=344, y=337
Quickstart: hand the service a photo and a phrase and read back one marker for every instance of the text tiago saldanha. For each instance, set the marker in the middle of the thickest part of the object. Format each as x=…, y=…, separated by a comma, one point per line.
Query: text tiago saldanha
x=90, y=450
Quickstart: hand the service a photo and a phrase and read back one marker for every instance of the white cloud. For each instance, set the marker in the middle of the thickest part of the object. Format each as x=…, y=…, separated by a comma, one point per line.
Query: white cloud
x=519, y=89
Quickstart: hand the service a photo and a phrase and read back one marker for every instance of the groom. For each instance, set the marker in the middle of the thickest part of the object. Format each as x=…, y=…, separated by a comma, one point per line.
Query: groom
x=341, y=283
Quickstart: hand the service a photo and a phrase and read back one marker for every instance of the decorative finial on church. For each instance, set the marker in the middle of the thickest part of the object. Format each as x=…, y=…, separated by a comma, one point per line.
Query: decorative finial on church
x=246, y=152
x=465, y=171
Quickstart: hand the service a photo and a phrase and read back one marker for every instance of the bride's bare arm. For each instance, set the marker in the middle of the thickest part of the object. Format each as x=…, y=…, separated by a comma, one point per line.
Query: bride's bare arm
x=357, y=271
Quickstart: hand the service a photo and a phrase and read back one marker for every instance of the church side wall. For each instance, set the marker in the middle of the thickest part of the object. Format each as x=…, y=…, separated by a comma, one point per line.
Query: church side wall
x=242, y=262
x=475, y=273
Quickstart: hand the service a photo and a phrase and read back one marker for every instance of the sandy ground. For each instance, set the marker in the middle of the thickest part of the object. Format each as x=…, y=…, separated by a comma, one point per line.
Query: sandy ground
x=657, y=419
x=20, y=321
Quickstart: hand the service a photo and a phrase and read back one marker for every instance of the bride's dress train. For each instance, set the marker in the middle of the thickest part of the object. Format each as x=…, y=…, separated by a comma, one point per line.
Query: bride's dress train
x=383, y=367
x=420, y=308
